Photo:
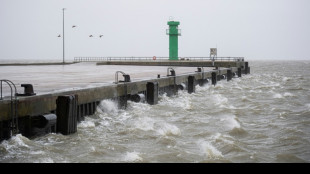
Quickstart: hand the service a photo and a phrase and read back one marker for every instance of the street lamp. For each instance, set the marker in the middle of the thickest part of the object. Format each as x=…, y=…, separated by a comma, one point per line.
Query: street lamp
x=63, y=35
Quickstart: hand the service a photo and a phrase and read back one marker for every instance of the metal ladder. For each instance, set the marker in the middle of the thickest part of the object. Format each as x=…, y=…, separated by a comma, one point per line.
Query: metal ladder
x=13, y=126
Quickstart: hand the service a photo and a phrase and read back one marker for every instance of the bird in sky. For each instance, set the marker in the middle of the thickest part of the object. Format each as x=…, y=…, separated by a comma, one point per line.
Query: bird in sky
x=73, y=26
x=100, y=36
x=90, y=35
x=59, y=36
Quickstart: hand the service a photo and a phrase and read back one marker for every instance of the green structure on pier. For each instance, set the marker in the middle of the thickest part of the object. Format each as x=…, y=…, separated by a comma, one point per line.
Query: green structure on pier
x=173, y=33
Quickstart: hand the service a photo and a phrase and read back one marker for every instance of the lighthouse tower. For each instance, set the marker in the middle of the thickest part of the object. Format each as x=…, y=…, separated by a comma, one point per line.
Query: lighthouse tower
x=173, y=33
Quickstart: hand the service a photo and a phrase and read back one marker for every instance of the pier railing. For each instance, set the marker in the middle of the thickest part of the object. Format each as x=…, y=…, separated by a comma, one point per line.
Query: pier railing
x=98, y=59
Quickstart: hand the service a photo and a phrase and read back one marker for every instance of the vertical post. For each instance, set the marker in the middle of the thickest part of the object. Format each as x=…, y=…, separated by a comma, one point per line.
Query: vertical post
x=122, y=100
x=246, y=67
x=66, y=114
x=229, y=75
x=191, y=84
x=152, y=93
x=63, y=35
x=239, y=72
x=1, y=90
x=213, y=78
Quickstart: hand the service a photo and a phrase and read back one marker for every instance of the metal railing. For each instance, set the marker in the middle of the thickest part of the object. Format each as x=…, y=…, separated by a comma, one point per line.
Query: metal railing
x=98, y=59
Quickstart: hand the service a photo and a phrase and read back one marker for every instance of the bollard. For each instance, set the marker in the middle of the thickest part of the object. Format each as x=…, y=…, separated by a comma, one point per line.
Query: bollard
x=28, y=90
x=213, y=78
x=239, y=72
x=191, y=84
x=229, y=75
x=126, y=78
x=152, y=93
x=66, y=111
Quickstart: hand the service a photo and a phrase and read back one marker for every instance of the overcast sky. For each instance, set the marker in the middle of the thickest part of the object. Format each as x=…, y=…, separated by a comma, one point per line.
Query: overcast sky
x=254, y=29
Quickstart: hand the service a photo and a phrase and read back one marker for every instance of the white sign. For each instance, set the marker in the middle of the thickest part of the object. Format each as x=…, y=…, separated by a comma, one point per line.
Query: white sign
x=213, y=51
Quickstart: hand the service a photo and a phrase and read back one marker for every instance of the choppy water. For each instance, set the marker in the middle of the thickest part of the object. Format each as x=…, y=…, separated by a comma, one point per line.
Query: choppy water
x=261, y=117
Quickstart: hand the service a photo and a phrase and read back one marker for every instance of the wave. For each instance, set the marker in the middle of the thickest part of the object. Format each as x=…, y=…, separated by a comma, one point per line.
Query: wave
x=132, y=157
x=209, y=150
x=166, y=129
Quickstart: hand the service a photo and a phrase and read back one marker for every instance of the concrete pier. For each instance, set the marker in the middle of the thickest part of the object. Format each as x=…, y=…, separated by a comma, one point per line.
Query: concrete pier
x=85, y=100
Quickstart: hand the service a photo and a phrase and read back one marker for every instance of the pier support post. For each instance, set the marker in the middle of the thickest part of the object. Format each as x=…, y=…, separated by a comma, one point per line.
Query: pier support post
x=239, y=72
x=66, y=112
x=152, y=93
x=213, y=78
x=191, y=84
x=248, y=70
x=229, y=75
x=122, y=100
x=246, y=67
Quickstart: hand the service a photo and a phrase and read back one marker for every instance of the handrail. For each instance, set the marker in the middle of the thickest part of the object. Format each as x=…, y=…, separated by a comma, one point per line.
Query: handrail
x=126, y=76
x=96, y=59
x=14, y=122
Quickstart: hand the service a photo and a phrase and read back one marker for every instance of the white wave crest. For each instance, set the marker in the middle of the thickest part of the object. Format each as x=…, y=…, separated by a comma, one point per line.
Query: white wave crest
x=168, y=129
x=277, y=96
x=132, y=157
x=220, y=99
x=209, y=150
x=287, y=94
x=231, y=122
x=108, y=106
x=144, y=123
x=15, y=141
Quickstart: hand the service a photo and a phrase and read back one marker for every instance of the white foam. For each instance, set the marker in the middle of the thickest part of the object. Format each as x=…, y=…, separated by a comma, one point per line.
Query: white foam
x=19, y=140
x=219, y=99
x=86, y=124
x=108, y=106
x=230, y=122
x=144, y=123
x=168, y=129
x=209, y=150
x=133, y=157
x=287, y=94
x=285, y=79
x=277, y=96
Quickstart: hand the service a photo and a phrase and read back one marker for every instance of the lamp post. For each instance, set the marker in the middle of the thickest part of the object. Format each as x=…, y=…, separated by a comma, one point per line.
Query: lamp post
x=63, y=35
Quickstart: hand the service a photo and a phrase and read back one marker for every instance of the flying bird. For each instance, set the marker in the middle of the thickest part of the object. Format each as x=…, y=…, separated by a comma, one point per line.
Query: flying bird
x=73, y=26
x=100, y=36
x=90, y=35
x=59, y=36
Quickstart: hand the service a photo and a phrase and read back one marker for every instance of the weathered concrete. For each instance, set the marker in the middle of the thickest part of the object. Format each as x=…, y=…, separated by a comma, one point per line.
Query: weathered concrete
x=39, y=104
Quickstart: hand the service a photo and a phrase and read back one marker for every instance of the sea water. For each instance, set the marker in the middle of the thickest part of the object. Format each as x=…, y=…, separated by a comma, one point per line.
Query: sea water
x=261, y=117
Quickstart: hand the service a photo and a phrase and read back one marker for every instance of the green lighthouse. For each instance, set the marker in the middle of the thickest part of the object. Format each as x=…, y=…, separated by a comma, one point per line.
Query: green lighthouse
x=173, y=33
